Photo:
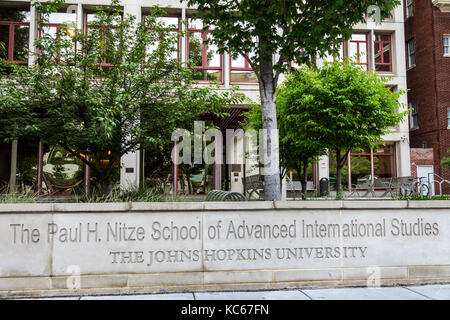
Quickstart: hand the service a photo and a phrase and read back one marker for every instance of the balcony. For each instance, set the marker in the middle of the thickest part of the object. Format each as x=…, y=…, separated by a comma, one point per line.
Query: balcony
x=443, y=5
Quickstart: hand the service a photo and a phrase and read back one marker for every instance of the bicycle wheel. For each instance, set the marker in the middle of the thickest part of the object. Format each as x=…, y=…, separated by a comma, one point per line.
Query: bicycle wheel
x=405, y=191
x=424, y=190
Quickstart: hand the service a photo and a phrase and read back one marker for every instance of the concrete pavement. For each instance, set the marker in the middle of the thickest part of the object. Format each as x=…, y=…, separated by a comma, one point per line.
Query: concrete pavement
x=426, y=292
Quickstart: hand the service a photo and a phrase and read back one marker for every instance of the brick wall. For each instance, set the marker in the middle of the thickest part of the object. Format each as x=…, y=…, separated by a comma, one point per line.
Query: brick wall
x=429, y=81
x=421, y=157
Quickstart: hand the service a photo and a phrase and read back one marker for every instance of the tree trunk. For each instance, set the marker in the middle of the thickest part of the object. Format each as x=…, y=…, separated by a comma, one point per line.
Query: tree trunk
x=267, y=87
x=105, y=185
x=304, y=180
x=189, y=183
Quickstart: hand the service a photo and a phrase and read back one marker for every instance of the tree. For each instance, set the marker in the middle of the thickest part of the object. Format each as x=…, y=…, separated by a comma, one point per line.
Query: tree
x=300, y=143
x=445, y=163
x=293, y=31
x=108, y=92
x=353, y=109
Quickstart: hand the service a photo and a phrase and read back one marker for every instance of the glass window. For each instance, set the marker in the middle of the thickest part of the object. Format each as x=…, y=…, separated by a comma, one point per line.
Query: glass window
x=409, y=8
x=414, y=119
x=205, y=59
x=383, y=53
x=241, y=71
x=358, y=49
x=365, y=163
x=411, y=53
x=361, y=167
x=171, y=24
x=447, y=45
x=448, y=117
x=62, y=26
x=107, y=34
x=14, y=34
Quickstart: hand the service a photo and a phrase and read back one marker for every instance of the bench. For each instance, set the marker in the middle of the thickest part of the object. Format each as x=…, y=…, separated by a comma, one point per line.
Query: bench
x=294, y=186
x=391, y=186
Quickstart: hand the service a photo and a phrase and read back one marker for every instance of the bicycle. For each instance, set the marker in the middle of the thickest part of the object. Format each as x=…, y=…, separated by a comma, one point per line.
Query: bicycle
x=421, y=188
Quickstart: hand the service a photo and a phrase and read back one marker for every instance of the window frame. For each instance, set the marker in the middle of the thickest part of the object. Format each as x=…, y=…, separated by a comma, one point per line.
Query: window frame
x=414, y=116
x=204, y=66
x=409, y=6
x=448, y=118
x=358, y=51
x=411, y=54
x=12, y=28
x=246, y=68
x=85, y=30
x=171, y=29
x=446, y=36
x=57, y=26
x=382, y=43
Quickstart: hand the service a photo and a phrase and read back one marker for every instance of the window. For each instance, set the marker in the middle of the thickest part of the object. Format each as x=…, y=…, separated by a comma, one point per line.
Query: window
x=62, y=26
x=358, y=49
x=411, y=53
x=383, y=53
x=14, y=34
x=240, y=70
x=172, y=24
x=105, y=34
x=414, y=120
x=409, y=8
x=204, y=59
x=448, y=118
x=447, y=45
x=365, y=164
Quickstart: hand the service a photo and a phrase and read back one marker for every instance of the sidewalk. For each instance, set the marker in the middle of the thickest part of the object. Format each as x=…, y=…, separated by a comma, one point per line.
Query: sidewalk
x=427, y=292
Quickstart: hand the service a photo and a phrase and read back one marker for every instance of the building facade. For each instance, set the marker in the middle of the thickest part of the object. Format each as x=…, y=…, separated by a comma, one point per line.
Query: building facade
x=380, y=47
x=427, y=31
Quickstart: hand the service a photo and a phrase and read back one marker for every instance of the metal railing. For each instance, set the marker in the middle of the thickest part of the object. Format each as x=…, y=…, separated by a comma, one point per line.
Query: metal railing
x=432, y=182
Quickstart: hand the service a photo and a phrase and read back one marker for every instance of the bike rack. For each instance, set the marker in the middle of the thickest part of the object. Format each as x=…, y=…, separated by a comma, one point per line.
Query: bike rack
x=432, y=182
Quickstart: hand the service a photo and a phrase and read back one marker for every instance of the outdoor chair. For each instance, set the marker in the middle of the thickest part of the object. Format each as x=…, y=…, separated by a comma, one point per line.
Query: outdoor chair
x=361, y=185
x=296, y=186
x=370, y=187
x=383, y=184
x=404, y=185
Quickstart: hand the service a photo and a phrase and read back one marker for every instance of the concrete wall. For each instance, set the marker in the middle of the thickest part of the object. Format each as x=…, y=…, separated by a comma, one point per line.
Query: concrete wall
x=64, y=249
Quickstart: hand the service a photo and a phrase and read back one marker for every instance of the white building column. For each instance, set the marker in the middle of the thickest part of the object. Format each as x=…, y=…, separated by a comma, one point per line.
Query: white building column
x=403, y=157
x=237, y=155
x=130, y=170
x=32, y=34
x=323, y=168
x=130, y=163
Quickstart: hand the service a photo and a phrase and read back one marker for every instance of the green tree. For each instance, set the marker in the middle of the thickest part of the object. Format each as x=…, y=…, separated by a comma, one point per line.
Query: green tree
x=299, y=135
x=288, y=29
x=354, y=109
x=110, y=96
x=445, y=163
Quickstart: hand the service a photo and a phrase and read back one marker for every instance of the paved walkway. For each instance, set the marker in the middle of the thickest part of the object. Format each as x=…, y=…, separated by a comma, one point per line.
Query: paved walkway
x=427, y=292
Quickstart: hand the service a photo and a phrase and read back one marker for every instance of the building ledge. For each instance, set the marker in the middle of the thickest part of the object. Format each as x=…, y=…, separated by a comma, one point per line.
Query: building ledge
x=443, y=5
